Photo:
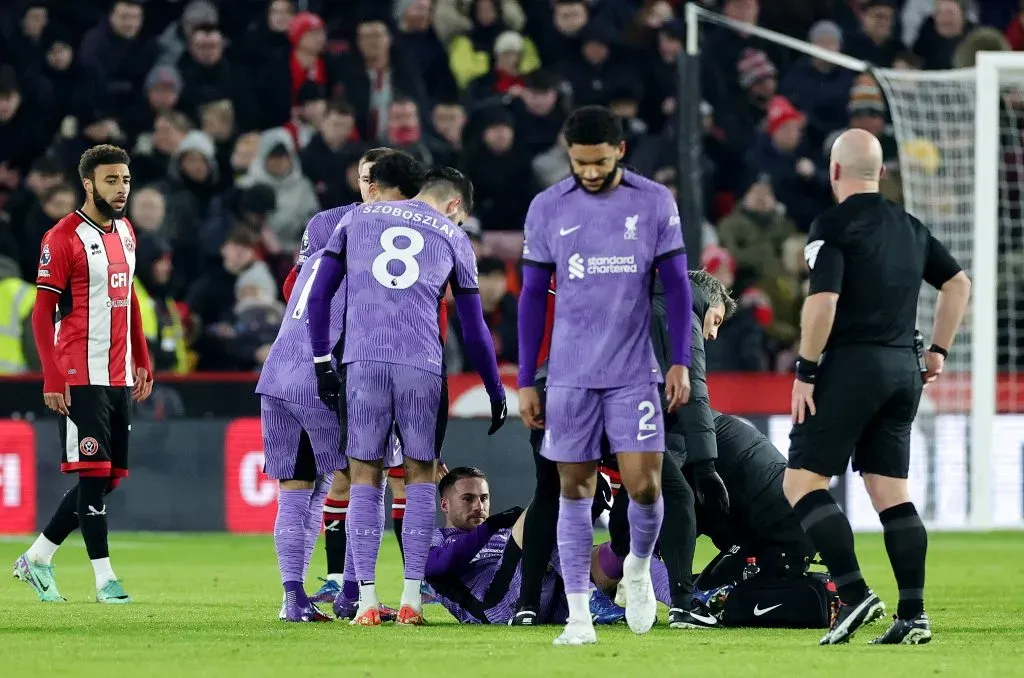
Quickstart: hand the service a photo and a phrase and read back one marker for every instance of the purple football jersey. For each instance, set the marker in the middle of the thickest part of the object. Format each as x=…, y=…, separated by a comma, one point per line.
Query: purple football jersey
x=603, y=249
x=477, y=578
x=319, y=229
x=288, y=373
x=399, y=256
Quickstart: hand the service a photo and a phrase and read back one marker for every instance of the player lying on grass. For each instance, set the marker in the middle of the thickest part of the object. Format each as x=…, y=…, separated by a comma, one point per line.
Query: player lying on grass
x=301, y=434
x=474, y=561
x=759, y=523
x=398, y=257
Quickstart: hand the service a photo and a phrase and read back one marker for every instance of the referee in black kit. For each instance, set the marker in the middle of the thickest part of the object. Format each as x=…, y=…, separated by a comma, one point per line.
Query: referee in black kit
x=859, y=379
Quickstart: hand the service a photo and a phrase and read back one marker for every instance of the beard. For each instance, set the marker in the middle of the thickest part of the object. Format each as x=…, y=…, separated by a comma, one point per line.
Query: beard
x=105, y=208
x=608, y=180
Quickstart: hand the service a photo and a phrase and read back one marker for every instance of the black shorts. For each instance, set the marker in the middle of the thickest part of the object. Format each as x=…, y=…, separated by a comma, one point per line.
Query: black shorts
x=95, y=435
x=866, y=398
x=305, y=461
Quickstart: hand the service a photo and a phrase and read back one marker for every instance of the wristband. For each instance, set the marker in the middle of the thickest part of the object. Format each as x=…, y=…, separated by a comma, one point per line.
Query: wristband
x=806, y=370
x=935, y=348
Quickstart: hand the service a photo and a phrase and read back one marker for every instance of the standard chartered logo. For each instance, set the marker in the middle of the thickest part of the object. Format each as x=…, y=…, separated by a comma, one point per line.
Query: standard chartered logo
x=580, y=266
x=576, y=267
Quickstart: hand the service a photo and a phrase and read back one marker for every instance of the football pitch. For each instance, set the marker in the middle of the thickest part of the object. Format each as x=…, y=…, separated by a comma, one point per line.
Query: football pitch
x=206, y=605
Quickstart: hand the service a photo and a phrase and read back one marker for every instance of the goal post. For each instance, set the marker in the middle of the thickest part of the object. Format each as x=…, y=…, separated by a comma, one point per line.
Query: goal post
x=961, y=158
x=986, y=253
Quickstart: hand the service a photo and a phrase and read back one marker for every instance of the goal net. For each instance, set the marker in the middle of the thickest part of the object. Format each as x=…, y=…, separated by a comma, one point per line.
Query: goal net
x=961, y=165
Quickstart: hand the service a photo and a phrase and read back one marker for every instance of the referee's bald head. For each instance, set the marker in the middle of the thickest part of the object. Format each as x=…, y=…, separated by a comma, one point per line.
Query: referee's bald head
x=856, y=163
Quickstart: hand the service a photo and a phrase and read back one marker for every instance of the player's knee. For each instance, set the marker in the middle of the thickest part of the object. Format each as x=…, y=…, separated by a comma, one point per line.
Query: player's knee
x=112, y=484
x=340, y=487
x=645, y=490
x=798, y=483
x=296, y=484
x=886, y=492
x=419, y=472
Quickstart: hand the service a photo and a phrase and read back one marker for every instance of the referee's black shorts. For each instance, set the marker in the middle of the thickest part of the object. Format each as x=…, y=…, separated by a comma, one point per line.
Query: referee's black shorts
x=95, y=435
x=866, y=398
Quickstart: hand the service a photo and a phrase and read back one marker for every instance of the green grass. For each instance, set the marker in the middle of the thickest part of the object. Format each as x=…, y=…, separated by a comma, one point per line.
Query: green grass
x=206, y=605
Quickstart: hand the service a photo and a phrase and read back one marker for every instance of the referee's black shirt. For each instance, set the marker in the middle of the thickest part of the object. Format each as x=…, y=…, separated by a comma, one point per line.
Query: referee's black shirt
x=874, y=255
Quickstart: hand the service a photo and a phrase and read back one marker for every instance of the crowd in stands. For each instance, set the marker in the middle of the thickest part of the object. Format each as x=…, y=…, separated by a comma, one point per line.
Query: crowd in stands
x=245, y=117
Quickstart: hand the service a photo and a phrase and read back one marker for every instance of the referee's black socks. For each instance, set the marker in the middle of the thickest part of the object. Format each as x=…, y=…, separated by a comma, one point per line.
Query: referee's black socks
x=906, y=542
x=829, y=530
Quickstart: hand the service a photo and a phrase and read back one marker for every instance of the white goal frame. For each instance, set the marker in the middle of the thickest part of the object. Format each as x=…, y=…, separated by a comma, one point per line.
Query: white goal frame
x=988, y=68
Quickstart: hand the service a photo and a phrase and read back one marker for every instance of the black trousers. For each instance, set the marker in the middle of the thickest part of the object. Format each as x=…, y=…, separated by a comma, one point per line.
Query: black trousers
x=678, y=534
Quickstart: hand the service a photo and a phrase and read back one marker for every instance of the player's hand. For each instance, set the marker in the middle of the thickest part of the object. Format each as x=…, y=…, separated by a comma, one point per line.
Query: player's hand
x=710, y=490
x=934, y=362
x=143, y=385
x=529, y=408
x=504, y=520
x=803, y=401
x=499, y=412
x=677, y=387
x=59, y=402
x=328, y=385
x=442, y=470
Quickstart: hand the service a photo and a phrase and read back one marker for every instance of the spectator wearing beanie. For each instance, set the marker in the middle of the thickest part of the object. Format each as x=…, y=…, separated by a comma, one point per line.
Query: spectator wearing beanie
x=758, y=80
x=818, y=87
x=470, y=53
x=505, y=76
x=174, y=40
x=798, y=172
x=163, y=89
x=308, y=38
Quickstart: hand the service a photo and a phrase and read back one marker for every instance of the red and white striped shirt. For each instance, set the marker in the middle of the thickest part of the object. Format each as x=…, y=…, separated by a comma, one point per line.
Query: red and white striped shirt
x=91, y=268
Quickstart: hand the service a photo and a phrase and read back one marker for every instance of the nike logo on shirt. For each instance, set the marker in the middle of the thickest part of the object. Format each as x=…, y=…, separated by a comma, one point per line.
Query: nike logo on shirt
x=567, y=231
x=645, y=436
x=758, y=611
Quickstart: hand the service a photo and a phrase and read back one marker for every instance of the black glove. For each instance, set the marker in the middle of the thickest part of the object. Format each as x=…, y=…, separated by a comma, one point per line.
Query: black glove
x=505, y=519
x=709, y=487
x=328, y=385
x=499, y=411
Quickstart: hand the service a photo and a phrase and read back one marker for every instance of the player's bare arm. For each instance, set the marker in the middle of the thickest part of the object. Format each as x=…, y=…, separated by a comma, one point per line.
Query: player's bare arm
x=824, y=256
x=943, y=273
x=816, y=320
x=950, y=307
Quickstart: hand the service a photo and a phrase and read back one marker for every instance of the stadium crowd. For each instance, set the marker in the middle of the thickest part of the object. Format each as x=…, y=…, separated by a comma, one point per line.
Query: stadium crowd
x=244, y=118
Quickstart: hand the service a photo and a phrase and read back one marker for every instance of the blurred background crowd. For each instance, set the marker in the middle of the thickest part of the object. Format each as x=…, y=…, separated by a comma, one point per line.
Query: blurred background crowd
x=245, y=117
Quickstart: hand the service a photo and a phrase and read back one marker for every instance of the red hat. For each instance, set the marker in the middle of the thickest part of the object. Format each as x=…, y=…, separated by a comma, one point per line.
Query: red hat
x=714, y=257
x=303, y=23
x=781, y=111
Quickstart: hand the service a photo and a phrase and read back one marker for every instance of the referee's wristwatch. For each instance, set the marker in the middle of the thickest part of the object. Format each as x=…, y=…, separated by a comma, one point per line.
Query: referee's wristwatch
x=806, y=370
